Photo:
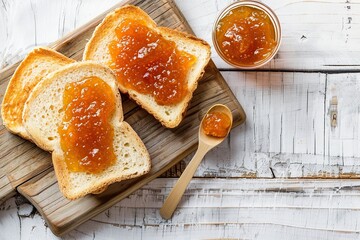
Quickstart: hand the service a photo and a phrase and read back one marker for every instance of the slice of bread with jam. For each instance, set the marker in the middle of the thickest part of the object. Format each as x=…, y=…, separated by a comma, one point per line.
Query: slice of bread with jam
x=55, y=114
x=150, y=61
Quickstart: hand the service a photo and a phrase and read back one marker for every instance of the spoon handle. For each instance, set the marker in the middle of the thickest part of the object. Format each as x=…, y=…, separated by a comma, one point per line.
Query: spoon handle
x=176, y=193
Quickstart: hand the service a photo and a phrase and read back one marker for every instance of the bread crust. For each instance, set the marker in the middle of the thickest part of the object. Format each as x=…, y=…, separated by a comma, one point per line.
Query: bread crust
x=18, y=89
x=107, y=27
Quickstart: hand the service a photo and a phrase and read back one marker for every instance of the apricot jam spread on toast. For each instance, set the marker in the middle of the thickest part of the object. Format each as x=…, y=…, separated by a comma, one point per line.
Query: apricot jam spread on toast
x=86, y=135
x=146, y=62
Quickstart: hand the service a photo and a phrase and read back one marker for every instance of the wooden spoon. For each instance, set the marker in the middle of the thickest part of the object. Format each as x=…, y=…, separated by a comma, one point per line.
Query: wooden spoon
x=205, y=144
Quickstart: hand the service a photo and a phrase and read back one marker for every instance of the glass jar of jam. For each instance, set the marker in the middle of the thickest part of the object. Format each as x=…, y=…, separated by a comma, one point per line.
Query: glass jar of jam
x=247, y=34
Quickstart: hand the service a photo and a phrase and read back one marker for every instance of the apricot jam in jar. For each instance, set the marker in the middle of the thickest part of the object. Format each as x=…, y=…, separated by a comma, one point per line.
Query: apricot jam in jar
x=86, y=133
x=216, y=124
x=247, y=34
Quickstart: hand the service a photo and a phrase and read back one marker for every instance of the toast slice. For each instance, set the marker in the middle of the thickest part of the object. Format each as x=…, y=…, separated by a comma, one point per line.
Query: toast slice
x=36, y=65
x=43, y=114
x=97, y=49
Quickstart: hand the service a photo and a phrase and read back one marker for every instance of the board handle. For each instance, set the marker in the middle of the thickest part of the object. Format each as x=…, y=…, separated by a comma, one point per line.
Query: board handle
x=6, y=189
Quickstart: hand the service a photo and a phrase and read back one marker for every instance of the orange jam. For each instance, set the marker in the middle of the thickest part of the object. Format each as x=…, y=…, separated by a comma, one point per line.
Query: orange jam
x=246, y=36
x=86, y=135
x=216, y=124
x=145, y=61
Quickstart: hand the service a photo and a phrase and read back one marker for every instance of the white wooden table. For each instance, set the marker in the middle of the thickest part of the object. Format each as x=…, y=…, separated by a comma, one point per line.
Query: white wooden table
x=264, y=182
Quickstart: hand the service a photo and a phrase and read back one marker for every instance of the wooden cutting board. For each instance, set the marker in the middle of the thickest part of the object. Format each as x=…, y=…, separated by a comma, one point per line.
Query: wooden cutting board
x=28, y=169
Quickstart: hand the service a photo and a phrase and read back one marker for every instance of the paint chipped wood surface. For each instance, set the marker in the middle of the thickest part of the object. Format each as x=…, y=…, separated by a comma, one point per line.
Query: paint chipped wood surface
x=289, y=131
x=213, y=209
x=317, y=35
x=294, y=129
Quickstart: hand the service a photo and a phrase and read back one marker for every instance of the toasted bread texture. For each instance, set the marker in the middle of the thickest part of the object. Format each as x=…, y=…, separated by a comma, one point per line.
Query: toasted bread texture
x=43, y=113
x=97, y=49
x=36, y=65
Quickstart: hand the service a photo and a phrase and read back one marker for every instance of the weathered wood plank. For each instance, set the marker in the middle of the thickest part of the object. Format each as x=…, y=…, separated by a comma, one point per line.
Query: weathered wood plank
x=343, y=140
x=213, y=209
x=288, y=130
x=317, y=35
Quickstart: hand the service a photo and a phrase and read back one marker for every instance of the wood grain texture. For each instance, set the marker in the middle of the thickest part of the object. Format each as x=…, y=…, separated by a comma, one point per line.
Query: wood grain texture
x=288, y=132
x=63, y=215
x=213, y=209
